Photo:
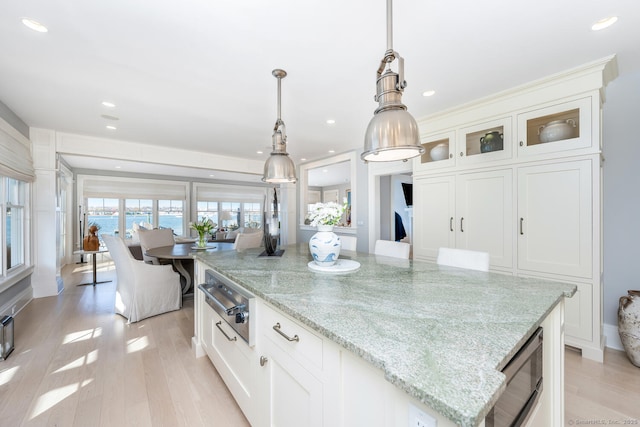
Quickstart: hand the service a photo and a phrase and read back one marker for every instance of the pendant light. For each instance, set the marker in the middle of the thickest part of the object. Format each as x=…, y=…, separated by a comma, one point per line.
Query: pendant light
x=392, y=133
x=279, y=168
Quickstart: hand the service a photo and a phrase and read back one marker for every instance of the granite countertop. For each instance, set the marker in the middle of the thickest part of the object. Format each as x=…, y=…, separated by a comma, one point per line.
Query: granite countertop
x=440, y=334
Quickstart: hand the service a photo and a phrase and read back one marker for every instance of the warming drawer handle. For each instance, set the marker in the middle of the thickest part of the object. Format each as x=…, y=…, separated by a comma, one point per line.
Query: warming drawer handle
x=224, y=333
x=276, y=328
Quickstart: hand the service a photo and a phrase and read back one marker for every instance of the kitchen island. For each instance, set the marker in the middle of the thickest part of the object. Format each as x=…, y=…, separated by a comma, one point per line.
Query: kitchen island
x=439, y=335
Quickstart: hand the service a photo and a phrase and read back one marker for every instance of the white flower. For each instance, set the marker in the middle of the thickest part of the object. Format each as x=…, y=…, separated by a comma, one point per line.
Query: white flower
x=203, y=226
x=326, y=213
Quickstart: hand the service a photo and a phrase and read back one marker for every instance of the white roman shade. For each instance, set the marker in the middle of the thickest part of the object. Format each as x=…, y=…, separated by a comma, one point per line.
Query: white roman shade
x=132, y=188
x=15, y=158
x=229, y=193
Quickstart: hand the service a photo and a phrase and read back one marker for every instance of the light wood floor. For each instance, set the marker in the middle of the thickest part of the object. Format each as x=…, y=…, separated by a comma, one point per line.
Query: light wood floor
x=78, y=364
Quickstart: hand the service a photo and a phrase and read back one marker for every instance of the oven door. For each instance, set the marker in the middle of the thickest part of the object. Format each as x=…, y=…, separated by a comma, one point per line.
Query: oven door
x=524, y=385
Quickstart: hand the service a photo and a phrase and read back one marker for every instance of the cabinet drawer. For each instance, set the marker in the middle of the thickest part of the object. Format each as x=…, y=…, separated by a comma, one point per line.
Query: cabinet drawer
x=306, y=349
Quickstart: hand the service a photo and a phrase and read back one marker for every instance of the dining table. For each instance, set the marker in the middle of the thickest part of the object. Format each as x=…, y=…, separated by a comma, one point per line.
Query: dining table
x=182, y=256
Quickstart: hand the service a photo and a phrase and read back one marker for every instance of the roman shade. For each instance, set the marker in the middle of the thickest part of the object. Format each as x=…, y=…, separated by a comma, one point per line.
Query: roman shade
x=131, y=188
x=15, y=158
x=229, y=193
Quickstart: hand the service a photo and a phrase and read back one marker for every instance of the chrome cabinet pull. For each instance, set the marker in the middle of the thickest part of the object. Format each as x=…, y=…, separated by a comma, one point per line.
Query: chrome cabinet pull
x=276, y=328
x=521, y=144
x=263, y=360
x=224, y=333
x=521, y=230
x=451, y=224
x=461, y=224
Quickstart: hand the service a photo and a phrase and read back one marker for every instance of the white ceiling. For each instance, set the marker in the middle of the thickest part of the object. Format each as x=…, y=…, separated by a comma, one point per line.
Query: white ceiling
x=197, y=74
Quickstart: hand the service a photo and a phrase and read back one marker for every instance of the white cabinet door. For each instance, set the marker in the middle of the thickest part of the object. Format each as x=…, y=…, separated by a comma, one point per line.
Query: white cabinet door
x=557, y=127
x=555, y=218
x=484, y=206
x=291, y=394
x=433, y=215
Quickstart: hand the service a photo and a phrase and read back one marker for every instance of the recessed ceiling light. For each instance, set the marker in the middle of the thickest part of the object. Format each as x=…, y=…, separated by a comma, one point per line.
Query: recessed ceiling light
x=259, y=152
x=118, y=167
x=331, y=122
x=211, y=176
x=325, y=170
x=604, y=23
x=34, y=25
x=428, y=93
x=332, y=151
x=108, y=117
x=108, y=104
x=303, y=159
x=111, y=127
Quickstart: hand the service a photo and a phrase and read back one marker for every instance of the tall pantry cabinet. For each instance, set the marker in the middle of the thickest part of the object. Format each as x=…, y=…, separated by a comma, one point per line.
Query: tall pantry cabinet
x=518, y=175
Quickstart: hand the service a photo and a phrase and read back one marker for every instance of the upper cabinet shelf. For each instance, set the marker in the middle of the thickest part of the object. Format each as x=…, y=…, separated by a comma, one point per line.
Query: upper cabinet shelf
x=559, y=127
x=439, y=151
x=485, y=142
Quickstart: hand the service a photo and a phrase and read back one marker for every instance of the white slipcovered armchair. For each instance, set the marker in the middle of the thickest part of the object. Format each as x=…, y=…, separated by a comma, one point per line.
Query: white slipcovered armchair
x=142, y=290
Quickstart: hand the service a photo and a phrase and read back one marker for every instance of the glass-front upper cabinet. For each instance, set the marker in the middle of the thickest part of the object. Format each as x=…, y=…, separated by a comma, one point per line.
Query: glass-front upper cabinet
x=558, y=127
x=484, y=142
x=439, y=149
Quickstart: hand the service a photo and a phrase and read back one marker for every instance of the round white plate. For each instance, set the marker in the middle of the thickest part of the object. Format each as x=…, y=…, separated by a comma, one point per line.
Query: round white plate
x=196, y=248
x=341, y=266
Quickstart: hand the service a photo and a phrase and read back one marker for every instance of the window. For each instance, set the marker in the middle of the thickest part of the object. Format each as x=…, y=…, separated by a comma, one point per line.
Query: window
x=252, y=215
x=14, y=222
x=230, y=215
x=209, y=210
x=104, y=213
x=170, y=213
x=139, y=211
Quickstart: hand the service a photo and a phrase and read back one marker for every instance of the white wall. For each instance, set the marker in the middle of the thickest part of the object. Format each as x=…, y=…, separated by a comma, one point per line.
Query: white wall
x=621, y=211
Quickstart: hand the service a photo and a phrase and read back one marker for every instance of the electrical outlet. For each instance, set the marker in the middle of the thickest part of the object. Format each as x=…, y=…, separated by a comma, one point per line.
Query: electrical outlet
x=418, y=418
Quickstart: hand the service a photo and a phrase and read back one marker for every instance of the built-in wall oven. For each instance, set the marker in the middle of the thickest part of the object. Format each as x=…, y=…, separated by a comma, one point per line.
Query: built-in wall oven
x=232, y=302
x=524, y=385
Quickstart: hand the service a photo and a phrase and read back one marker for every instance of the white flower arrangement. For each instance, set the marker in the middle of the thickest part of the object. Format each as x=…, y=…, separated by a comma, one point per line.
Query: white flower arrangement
x=328, y=213
x=203, y=226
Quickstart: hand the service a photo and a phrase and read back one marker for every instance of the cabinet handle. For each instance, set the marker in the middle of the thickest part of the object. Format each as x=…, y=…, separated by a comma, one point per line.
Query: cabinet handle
x=521, y=230
x=461, y=154
x=521, y=144
x=461, y=224
x=451, y=156
x=224, y=333
x=276, y=328
x=451, y=224
x=263, y=360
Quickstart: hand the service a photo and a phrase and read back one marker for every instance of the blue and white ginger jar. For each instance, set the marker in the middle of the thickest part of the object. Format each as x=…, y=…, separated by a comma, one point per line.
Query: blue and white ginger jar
x=325, y=246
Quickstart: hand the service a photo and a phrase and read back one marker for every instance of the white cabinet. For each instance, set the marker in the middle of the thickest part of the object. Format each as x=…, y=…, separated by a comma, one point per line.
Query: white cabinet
x=439, y=151
x=433, y=215
x=546, y=222
x=556, y=127
x=230, y=354
x=468, y=211
x=485, y=142
x=292, y=375
x=555, y=222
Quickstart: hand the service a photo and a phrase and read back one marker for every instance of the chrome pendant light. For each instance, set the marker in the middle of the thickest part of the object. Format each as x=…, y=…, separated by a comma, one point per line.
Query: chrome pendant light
x=279, y=168
x=392, y=133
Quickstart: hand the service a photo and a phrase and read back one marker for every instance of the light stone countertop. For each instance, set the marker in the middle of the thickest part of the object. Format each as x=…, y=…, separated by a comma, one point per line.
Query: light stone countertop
x=440, y=334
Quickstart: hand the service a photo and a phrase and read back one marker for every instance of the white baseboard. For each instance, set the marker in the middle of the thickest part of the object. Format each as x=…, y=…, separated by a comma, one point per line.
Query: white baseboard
x=17, y=303
x=613, y=338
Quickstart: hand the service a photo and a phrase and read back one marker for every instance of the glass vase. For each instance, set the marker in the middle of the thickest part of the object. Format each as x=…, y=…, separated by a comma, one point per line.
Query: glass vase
x=202, y=239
